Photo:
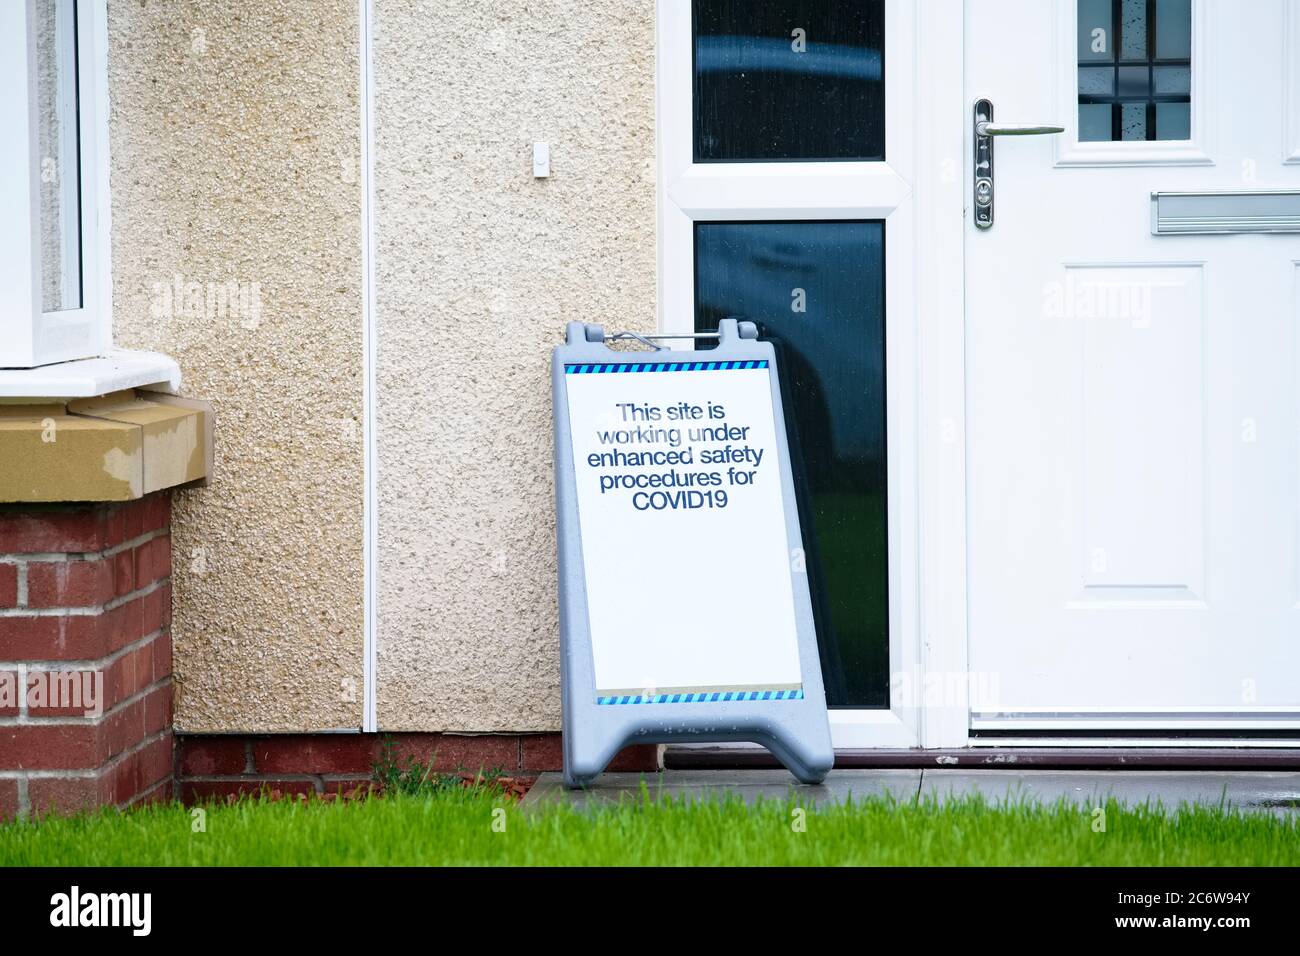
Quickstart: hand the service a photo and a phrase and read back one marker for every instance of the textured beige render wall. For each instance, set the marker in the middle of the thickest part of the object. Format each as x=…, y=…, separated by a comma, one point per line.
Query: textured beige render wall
x=478, y=267
x=235, y=179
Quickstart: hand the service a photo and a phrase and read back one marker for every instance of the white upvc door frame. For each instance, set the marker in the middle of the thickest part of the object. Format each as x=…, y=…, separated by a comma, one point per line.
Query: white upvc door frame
x=917, y=192
x=1291, y=92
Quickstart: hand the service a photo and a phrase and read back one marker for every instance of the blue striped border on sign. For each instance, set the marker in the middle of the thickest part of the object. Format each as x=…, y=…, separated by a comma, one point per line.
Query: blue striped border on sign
x=706, y=697
x=663, y=367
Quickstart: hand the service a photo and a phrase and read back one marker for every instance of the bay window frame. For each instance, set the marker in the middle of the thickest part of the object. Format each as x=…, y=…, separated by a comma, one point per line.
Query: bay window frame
x=29, y=336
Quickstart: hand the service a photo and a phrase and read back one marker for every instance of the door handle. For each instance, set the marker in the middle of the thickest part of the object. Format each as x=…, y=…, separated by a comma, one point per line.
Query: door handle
x=982, y=173
x=1014, y=129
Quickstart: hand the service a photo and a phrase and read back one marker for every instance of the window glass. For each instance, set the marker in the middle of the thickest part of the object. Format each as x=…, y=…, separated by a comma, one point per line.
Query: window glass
x=1135, y=76
x=58, y=141
x=785, y=80
x=816, y=290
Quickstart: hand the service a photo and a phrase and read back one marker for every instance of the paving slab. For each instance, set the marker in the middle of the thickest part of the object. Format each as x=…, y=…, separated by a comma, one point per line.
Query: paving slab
x=749, y=785
x=1278, y=792
x=1246, y=790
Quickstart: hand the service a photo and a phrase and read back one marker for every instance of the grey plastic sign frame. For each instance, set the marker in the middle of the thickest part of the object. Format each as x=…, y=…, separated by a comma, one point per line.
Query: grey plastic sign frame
x=797, y=731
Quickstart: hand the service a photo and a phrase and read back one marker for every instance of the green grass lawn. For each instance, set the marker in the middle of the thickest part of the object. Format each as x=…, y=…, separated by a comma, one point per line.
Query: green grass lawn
x=457, y=827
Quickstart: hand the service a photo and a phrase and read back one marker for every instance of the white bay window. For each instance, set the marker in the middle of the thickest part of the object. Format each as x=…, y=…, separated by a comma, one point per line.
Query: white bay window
x=55, y=292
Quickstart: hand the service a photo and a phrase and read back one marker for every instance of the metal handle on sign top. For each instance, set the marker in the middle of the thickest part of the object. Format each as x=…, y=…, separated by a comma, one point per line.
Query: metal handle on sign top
x=744, y=329
x=645, y=338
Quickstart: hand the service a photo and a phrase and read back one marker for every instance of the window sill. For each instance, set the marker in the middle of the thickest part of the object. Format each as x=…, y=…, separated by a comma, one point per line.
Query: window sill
x=90, y=378
x=118, y=447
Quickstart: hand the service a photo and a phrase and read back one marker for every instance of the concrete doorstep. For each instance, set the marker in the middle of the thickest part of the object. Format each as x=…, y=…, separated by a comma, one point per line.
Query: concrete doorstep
x=1277, y=792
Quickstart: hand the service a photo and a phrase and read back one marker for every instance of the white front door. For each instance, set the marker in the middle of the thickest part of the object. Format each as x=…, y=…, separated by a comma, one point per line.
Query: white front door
x=1133, y=418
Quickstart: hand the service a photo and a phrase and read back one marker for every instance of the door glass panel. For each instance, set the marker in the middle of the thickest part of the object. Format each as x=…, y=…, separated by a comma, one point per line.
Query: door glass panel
x=1173, y=121
x=789, y=80
x=816, y=290
x=1172, y=79
x=1133, y=121
x=1097, y=80
x=58, y=142
x=1094, y=122
x=1094, y=32
x=1173, y=30
x=1132, y=37
x=1147, y=46
x=1133, y=82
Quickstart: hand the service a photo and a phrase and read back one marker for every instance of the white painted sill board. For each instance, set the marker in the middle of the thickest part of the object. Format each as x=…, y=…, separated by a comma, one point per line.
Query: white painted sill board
x=90, y=378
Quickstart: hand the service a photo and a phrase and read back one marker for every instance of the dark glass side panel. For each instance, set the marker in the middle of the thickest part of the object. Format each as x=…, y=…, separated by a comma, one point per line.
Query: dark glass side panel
x=816, y=290
x=783, y=80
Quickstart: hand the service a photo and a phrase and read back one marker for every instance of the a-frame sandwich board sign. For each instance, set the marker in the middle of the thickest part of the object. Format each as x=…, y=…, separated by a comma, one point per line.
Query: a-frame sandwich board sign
x=685, y=613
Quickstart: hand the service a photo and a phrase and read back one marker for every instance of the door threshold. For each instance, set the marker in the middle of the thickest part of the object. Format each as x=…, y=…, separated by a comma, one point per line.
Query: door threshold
x=1001, y=758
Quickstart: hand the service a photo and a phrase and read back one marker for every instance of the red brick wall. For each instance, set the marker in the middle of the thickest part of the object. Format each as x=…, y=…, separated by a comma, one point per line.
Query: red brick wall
x=85, y=655
x=220, y=765
x=85, y=607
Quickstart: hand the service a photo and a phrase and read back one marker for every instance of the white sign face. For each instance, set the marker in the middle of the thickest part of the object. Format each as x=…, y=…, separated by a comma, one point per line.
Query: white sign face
x=683, y=530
